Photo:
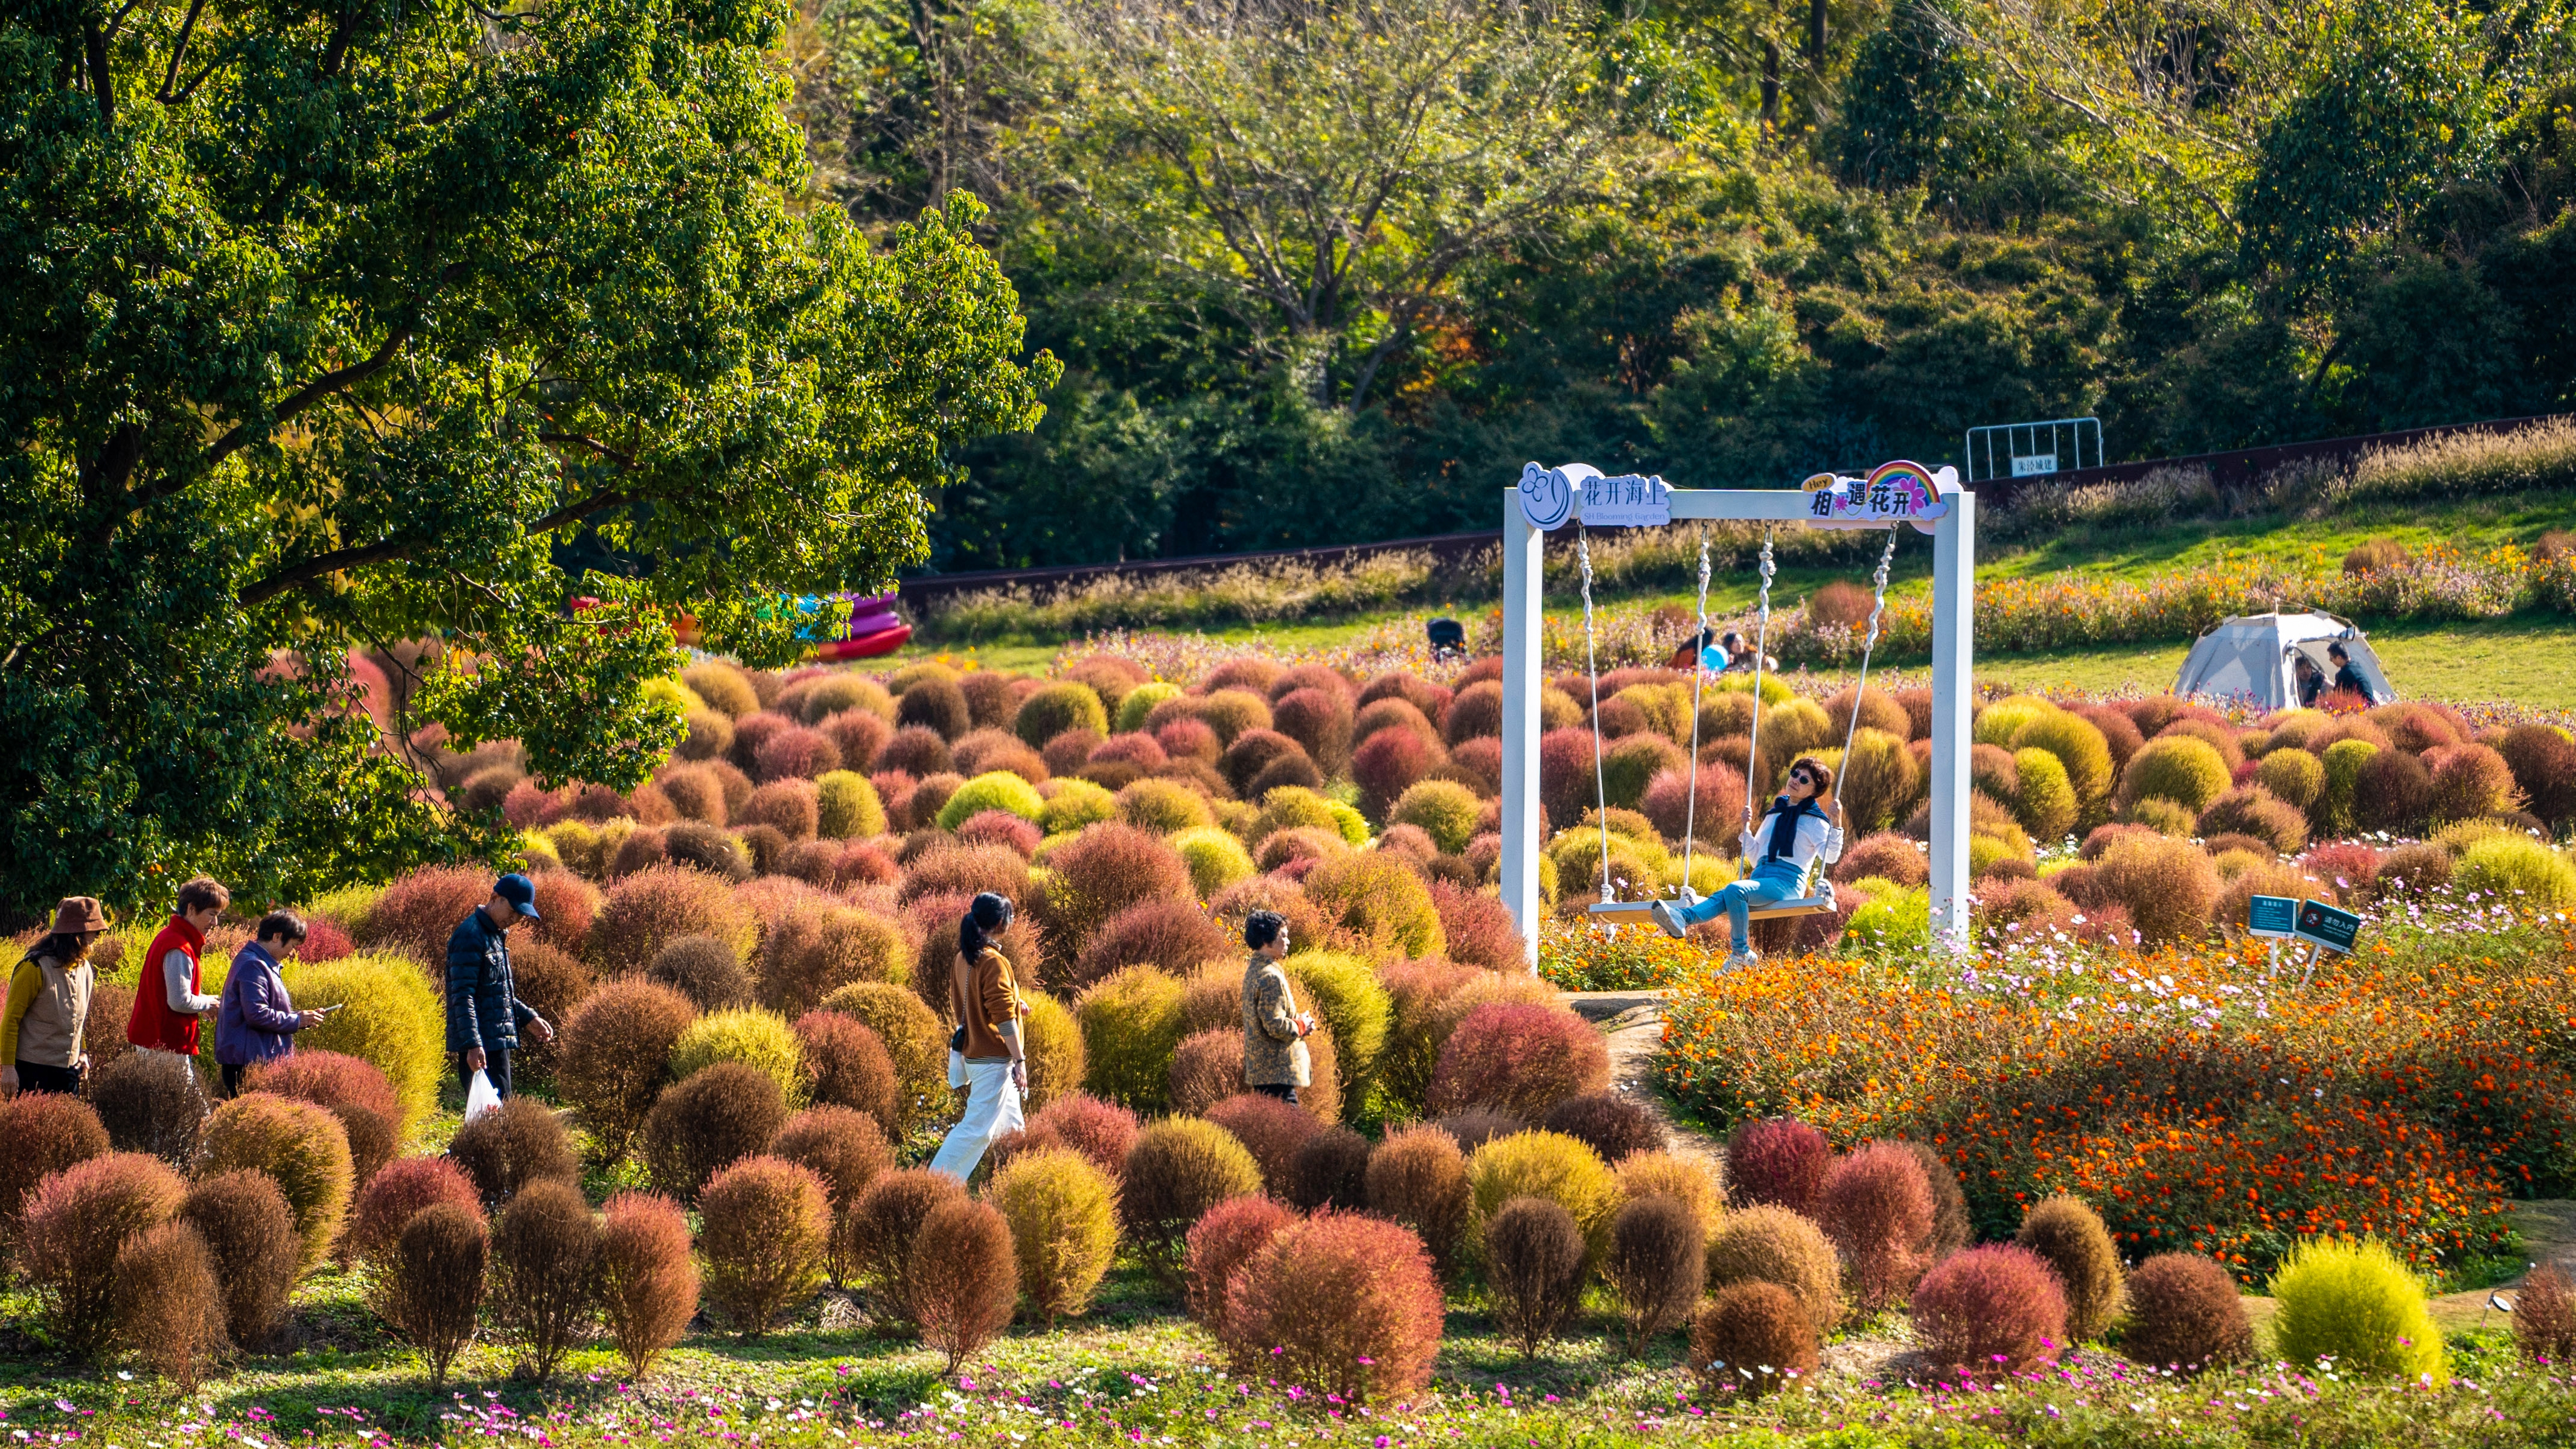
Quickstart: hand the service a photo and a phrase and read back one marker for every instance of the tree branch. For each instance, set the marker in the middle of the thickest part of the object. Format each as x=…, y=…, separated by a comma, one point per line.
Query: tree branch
x=102, y=87
x=309, y=394
x=178, y=53
x=322, y=565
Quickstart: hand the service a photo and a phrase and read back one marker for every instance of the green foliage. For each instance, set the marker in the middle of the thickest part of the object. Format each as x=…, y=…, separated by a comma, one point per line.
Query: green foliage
x=2354, y=1302
x=758, y=1039
x=1075, y=804
x=2526, y=873
x=1445, y=809
x=391, y=1018
x=1546, y=1165
x=2179, y=768
x=1345, y=995
x=1140, y=702
x=2046, y=804
x=993, y=790
x=1379, y=896
x=2343, y=761
x=1215, y=857
x=1063, y=1213
x=1131, y=1022
x=1057, y=708
x=848, y=805
x=300, y=433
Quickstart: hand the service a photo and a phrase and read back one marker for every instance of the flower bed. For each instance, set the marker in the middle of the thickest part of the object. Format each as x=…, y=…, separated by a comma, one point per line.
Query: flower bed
x=2197, y=1099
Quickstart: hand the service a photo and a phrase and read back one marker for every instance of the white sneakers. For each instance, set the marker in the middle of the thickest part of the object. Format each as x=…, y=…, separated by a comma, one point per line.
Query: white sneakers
x=1740, y=960
x=1667, y=918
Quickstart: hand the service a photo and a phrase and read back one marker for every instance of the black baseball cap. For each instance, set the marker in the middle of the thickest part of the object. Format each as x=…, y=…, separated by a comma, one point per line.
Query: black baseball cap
x=519, y=891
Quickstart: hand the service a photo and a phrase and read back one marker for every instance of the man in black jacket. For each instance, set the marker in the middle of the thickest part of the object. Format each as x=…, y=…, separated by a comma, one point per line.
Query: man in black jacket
x=484, y=1012
x=2347, y=677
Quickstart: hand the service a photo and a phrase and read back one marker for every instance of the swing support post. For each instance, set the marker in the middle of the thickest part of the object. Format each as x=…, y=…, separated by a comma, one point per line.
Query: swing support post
x=1953, y=652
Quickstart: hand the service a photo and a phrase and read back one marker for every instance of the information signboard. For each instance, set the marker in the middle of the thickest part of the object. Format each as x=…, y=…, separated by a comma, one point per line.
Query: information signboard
x=2272, y=917
x=2328, y=926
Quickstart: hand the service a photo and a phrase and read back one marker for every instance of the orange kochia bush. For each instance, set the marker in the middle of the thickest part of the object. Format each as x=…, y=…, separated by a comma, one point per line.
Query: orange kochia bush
x=2194, y=1103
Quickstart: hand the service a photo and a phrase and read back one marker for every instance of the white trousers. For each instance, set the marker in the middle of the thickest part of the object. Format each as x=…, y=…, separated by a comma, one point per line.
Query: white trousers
x=992, y=1108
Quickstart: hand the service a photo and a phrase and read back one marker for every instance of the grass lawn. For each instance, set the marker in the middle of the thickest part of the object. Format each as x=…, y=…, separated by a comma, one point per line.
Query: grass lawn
x=1134, y=1372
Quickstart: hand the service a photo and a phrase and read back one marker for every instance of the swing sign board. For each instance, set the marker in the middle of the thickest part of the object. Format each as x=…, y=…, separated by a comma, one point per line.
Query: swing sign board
x=2327, y=926
x=2272, y=917
x=1897, y=492
x=1552, y=497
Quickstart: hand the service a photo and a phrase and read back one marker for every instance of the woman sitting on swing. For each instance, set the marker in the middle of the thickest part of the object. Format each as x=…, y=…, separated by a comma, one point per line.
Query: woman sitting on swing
x=1792, y=834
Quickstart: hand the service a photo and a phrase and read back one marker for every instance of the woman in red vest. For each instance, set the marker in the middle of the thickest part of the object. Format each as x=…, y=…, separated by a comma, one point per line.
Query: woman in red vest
x=168, y=1000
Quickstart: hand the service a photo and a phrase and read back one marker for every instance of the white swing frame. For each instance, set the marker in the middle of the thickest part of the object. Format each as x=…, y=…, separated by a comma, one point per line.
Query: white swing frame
x=1953, y=656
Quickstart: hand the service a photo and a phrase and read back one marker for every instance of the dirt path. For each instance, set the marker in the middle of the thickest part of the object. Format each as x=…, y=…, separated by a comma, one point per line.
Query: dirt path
x=1633, y=1022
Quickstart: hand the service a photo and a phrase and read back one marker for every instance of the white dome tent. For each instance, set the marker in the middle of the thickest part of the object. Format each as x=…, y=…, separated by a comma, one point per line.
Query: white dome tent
x=2251, y=657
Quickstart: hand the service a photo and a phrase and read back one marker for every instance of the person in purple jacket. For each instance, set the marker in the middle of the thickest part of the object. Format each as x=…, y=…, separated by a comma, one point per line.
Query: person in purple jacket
x=256, y=1022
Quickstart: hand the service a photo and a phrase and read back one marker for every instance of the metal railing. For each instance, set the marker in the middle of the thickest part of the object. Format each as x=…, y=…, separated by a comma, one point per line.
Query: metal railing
x=2033, y=450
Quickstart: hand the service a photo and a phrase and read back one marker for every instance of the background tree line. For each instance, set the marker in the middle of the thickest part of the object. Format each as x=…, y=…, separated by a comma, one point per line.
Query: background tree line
x=1324, y=271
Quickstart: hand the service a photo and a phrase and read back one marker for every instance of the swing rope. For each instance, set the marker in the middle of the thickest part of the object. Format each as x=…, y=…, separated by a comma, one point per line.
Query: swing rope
x=1761, y=653
x=1699, y=675
x=1860, y=687
x=1592, y=671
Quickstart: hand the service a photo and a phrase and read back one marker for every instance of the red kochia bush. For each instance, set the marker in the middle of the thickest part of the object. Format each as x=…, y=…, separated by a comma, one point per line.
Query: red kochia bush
x=1348, y=1302
x=847, y=1151
x=41, y=1133
x=2544, y=765
x=719, y=1116
x=168, y=1306
x=1418, y=1177
x=249, y=1233
x=1715, y=815
x=1521, y=1057
x=73, y=1225
x=1101, y=1131
x=847, y=1065
x=1752, y=1338
x=1330, y=1170
x=1318, y=719
x=1777, y=1160
x=1566, y=783
x=401, y=1188
x=543, y=1249
x=432, y=1287
x=418, y=912
x=611, y=1055
x=1388, y=763
x=965, y=1277
x=648, y=1283
x=345, y=1084
x=518, y=1143
x=1991, y=1311
x=1219, y=1243
x=1479, y=927
x=767, y=1225
x=1271, y=1129
x=880, y=1227
x=1613, y=1124
x=1207, y=1068
x=2185, y=1313
x=2394, y=792
x=1101, y=872
x=1877, y=1207
x=1175, y=933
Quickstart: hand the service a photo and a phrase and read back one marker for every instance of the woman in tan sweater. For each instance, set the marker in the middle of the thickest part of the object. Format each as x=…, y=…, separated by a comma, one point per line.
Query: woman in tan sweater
x=987, y=1057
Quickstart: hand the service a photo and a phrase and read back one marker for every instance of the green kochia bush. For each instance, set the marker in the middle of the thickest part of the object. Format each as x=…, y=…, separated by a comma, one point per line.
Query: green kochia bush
x=761, y=1040
x=1546, y=1165
x=299, y=1145
x=1131, y=1022
x=391, y=1017
x=993, y=790
x=2524, y=872
x=2179, y=768
x=1178, y=1169
x=1059, y=707
x=1346, y=996
x=847, y=806
x=1063, y=1213
x=2357, y=1304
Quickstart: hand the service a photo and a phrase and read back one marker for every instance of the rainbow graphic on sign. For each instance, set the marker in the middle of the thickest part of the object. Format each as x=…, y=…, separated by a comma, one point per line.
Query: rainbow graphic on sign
x=1897, y=492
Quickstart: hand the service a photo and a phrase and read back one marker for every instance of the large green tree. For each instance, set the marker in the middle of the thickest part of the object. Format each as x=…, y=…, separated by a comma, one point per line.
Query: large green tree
x=334, y=324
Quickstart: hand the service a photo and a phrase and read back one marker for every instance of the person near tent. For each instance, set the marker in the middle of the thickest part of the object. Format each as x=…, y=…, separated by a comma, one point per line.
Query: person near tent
x=2310, y=679
x=168, y=1000
x=2347, y=676
x=987, y=1055
x=48, y=1010
x=1793, y=833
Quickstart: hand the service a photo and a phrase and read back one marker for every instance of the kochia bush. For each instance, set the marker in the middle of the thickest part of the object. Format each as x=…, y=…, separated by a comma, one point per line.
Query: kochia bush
x=2186, y=1314
x=717, y=1117
x=42, y=1133
x=648, y=1282
x=518, y=1143
x=1544, y=1165
x=300, y=1146
x=1524, y=1058
x=1131, y=1022
x=1223, y=1239
x=390, y=1017
x=249, y=1233
x=612, y=1053
x=2356, y=1303
x=1063, y=1214
x=1348, y=1303
x=402, y=1188
x=1178, y=1169
x=767, y=1224
x=1991, y=1311
x=1877, y=1207
x=1772, y=1244
x=2072, y=1239
x=1753, y=1338
x=72, y=1226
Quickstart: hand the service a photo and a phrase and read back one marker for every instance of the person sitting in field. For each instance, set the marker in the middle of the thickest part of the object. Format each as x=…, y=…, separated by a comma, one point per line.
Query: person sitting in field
x=1741, y=657
x=2310, y=679
x=1693, y=653
x=49, y=996
x=2348, y=676
x=1793, y=833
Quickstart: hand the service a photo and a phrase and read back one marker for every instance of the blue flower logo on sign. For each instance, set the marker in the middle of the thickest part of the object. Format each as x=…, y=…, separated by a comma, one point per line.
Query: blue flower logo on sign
x=1547, y=499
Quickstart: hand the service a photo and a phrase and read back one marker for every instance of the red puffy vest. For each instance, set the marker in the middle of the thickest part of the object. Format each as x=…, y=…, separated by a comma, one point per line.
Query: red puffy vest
x=153, y=1023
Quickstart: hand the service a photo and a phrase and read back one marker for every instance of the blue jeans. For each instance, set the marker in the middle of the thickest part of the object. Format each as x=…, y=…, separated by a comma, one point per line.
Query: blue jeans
x=1770, y=882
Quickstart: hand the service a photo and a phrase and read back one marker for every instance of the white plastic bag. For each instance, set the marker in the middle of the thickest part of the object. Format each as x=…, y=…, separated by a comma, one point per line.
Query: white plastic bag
x=481, y=1096
x=956, y=1069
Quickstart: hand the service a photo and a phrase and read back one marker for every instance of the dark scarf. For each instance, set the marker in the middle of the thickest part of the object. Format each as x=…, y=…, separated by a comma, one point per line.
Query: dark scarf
x=1784, y=831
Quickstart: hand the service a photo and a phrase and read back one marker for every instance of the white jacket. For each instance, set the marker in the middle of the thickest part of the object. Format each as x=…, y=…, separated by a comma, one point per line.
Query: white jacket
x=1816, y=836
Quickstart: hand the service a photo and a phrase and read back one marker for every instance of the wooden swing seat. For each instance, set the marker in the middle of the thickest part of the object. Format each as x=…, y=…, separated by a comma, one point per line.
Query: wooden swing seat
x=1637, y=911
